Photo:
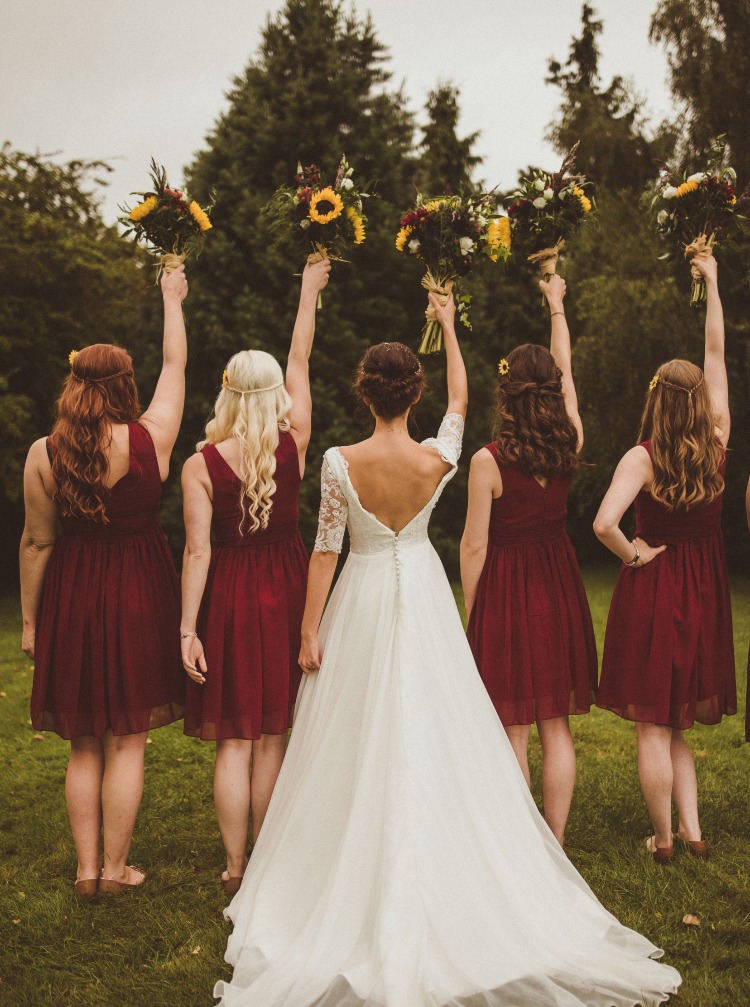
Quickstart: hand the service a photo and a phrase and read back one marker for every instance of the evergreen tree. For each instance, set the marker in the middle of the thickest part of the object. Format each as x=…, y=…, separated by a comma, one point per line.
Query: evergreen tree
x=447, y=162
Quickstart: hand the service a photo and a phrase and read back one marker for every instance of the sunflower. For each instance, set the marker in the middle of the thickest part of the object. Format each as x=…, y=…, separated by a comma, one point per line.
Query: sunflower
x=690, y=186
x=331, y=207
x=402, y=236
x=498, y=236
x=653, y=382
x=143, y=209
x=503, y=368
x=200, y=216
x=357, y=223
x=582, y=198
x=72, y=356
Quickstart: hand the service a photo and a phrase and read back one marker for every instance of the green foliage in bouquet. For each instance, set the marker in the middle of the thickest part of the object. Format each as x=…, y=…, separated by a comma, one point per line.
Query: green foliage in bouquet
x=692, y=211
x=449, y=233
x=326, y=219
x=547, y=210
x=167, y=221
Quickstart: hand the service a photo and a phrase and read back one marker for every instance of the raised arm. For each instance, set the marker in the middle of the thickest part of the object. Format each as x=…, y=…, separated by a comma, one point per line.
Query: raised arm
x=633, y=474
x=714, y=367
x=559, y=346
x=197, y=509
x=458, y=386
x=39, y=533
x=163, y=416
x=314, y=279
x=485, y=483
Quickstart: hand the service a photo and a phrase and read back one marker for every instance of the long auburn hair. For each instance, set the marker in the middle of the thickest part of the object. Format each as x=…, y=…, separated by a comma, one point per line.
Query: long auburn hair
x=532, y=426
x=253, y=406
x=678, y=419
x=99, y=391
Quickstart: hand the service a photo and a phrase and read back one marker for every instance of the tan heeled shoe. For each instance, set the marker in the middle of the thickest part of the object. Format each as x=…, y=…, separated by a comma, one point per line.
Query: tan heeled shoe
x=662, y=854
x=108, y=886
x=695, y=847
x=86, y=889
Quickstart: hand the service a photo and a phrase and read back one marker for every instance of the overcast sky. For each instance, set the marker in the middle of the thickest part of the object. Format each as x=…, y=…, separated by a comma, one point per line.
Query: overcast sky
x=124, y=80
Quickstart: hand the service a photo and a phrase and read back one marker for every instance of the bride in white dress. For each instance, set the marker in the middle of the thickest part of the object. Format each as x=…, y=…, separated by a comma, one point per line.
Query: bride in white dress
x=402, y=862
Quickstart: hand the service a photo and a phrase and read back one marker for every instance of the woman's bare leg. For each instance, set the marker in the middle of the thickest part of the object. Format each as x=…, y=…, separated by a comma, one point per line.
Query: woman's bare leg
x=83, y=795
x=558, y=773
x=518, y=736
x=268, y=755
x=657, y=777
x=685, y=787
x=232, y=800
x=122, y=790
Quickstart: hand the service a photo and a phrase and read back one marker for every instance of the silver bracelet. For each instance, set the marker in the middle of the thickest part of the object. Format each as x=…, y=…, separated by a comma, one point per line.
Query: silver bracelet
x=637, y=556
x=184, y=636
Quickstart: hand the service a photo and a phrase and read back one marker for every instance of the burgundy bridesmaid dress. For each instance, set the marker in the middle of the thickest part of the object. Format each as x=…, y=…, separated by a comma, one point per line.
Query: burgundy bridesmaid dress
x=669, y=652
x=251, y=613
x=108, y=628
x=530, y=629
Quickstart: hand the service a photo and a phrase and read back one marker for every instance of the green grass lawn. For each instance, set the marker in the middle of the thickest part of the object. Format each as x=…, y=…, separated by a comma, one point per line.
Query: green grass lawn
x=163, y=946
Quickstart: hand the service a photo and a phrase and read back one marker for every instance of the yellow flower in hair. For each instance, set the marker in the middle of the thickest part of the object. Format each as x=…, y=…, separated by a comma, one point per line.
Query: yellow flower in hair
x=332, y=206
x=357, y=223
x=225, y=380
x=653, y=383
x=200, y=216
x=582, y=198
x=690, y=186
x=72, y=356
x=143, y=209
x=503, y=368
x=402, y=237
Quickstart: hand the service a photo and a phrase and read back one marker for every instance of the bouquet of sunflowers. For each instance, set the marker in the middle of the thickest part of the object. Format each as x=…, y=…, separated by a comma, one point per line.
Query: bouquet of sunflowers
x=547, y=210
x=692, y=211
x=326, y=219
x=448, y=233
x=167, y=221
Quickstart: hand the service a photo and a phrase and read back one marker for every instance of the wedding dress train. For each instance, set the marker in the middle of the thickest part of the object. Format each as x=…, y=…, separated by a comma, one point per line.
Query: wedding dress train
x=402, y=862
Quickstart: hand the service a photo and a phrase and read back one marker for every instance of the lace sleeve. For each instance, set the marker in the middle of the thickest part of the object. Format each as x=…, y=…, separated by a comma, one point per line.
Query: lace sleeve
x=333, y=511
x=449, y=439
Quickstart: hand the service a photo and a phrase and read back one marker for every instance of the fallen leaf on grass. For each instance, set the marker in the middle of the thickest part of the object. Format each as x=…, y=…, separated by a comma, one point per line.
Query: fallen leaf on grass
x=149, y=741
x=690, y=920
x=3, y=694
x=38, y=737
x=196, y=950
x=15, y=919
x=178, y=760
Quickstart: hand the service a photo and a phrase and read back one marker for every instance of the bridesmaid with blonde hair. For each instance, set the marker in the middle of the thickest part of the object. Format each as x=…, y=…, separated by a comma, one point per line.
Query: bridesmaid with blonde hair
x=668, y=652
x=243, y=596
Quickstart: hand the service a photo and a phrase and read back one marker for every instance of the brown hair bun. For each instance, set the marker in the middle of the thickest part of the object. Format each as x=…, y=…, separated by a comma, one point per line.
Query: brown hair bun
x=390, y=379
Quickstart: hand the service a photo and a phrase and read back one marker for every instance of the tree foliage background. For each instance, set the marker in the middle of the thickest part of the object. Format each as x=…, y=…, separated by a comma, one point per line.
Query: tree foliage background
x=319, y=86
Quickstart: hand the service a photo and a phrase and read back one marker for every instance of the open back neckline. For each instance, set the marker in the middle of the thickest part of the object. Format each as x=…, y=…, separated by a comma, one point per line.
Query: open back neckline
x=129, y=469
x=374, y=517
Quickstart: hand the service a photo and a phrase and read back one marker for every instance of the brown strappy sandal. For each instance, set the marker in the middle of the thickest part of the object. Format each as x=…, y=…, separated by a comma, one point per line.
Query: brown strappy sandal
x=662, y=854
x=108, y=886
x=696, y=847
x=86, y=889
x=231, y=886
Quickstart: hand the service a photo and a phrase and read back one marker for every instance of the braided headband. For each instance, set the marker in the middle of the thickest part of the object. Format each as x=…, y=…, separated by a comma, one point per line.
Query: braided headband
x=246, y=391
x=658, y=380
x=96, y=380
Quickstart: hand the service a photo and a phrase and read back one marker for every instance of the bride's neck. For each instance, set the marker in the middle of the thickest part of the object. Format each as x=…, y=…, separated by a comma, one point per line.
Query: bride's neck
x=392, y=428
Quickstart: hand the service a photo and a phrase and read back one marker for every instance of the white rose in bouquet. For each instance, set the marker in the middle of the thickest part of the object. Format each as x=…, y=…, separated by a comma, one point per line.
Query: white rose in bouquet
x=466, y=245
x=540, y=202
x=662, y=217
x=548, y=194
x=539, y=184
x=414, y=246
x=670, y=192
x=697, y=177
x=346, y=183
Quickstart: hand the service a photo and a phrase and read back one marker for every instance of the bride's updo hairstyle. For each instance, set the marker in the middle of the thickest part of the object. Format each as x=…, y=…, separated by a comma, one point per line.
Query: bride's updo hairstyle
x=253, y=406
x=679, y=421
x=532, y=426
x=389, y=379
x=100, y=390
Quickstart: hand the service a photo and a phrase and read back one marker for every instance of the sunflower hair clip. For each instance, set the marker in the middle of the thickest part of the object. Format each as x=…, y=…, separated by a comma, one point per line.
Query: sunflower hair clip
x=653, y=383
x=72, y=356
x=225, y=380
x=503, y=368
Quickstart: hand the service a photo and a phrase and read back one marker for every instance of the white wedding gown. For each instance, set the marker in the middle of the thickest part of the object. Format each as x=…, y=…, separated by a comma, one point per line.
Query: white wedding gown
x=402, y=862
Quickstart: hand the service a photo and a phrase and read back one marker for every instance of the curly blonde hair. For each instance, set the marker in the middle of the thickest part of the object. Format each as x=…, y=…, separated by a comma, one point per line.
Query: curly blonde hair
x=253, y=406
x=678, y=419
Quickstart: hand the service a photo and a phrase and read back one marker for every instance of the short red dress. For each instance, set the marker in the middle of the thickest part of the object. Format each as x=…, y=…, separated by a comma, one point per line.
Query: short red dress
x=108, y=627
x=530, y=629
x=251, y=613
x=669, y=652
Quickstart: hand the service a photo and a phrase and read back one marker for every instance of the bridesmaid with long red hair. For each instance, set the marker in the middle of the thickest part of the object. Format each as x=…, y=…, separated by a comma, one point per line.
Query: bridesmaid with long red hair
x=243, y=596
x=668, y=653
x=530, y=627
x=100, y=599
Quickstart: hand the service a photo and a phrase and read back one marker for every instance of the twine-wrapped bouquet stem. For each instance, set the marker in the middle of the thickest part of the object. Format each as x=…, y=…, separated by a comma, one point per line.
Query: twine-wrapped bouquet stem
x=546, y=260
x=699, y=248
x=433, y=340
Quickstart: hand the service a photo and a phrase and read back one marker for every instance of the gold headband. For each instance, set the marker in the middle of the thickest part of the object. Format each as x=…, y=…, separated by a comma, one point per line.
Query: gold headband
x=246, y=391
x=658, y=380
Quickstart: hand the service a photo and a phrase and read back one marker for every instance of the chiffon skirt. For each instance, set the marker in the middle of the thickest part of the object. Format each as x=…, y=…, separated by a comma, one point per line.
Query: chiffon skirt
x=402, y=862
x=108, y=637
x=531, y=632
x=669, y=651
x=249, y=624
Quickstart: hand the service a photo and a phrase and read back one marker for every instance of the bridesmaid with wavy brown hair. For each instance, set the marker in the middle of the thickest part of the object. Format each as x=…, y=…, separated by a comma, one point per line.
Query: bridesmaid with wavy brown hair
x=530, y=627
x=100, y=599
x=669, y=653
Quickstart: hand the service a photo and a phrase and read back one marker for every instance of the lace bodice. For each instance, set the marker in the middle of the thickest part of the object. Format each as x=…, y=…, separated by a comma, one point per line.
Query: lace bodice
x=340, y=506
